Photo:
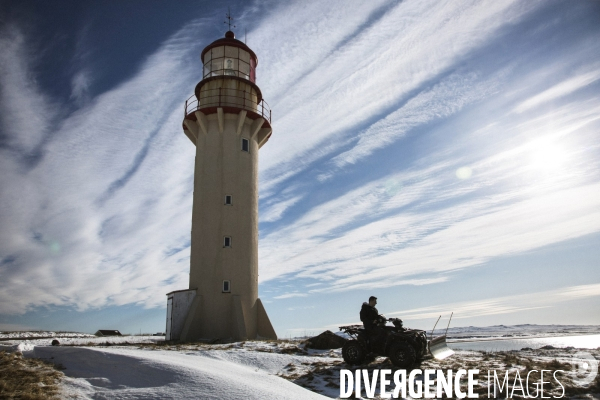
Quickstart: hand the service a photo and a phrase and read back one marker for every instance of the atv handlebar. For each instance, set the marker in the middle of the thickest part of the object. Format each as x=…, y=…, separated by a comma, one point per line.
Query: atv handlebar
x=381, y=320
x=396, y=321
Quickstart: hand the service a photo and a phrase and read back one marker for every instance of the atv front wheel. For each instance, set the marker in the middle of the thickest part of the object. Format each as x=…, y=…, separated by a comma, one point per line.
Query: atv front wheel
x=353, y=352
x=402, y=354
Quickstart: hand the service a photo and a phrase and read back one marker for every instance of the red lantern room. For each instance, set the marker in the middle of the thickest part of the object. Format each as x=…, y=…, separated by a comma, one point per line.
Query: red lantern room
x=228, y=83
x=229, y=56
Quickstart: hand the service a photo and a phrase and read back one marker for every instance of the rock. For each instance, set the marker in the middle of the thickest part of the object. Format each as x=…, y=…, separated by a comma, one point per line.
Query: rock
x=548, y=347
x=55, y=343
x=325, y=341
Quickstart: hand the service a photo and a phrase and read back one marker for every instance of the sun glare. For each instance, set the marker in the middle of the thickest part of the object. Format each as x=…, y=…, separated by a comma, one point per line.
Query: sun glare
x=548, y=157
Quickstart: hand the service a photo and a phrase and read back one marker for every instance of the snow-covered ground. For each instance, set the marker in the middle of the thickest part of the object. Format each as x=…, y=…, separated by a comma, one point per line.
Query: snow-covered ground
x=119, y=370
x=125, y=373
x=42, y=334
x=514, y=331
x=83, y=339
x=143, y=367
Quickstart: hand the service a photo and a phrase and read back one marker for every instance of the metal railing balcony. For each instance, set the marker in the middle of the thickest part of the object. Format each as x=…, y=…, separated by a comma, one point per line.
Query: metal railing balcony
x=210, y=99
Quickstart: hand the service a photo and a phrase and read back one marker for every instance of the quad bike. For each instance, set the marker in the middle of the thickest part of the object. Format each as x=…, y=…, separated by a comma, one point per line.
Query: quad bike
x=402, y=346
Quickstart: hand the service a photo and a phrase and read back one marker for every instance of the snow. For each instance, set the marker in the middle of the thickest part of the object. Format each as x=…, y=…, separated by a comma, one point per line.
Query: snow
x=42, y=334
x=25, y=347
x=242, y=370
x=144, y=367
x=514, y=331
x=123, y=373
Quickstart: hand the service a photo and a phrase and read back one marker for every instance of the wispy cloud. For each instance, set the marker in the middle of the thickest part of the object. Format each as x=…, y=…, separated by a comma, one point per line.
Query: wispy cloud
x=96, y=219
x=123, y=148
x=503, y=305
x=562, y=89
x=385, y=62
x=80, y=86
x=487, y=306
x=290, y=295
x=276, y=211
x=393, y=229
x=444, y=99
x=401, y=226
x=27, y=112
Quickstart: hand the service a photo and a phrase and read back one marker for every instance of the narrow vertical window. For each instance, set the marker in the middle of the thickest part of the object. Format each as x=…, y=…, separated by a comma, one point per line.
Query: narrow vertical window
x=228, y=200
x=245, y=145
x=226, y=287
x=227, y=241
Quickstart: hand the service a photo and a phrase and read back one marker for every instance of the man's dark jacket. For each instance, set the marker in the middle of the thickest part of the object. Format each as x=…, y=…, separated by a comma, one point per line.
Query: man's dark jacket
x=368, y=316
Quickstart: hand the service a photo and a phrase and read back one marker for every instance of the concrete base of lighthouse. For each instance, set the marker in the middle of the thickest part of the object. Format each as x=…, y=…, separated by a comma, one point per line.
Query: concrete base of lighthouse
x=189, y=320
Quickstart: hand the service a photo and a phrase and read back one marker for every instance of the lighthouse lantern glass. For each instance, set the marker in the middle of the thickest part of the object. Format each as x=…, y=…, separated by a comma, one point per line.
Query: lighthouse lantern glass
x=231, y=52
x=229, y=60
x=218, y=52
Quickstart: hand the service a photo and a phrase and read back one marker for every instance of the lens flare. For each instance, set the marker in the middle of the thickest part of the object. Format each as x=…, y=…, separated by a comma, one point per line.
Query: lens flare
x=55, y=247
x=392, y=187
x=464, y=173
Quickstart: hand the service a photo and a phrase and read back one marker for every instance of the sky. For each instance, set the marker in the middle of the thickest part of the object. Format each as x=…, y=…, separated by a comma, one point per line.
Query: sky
x=443, y=156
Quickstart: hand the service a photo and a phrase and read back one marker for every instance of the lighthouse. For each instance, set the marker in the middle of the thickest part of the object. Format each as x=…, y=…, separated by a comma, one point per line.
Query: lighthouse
x=228, y=121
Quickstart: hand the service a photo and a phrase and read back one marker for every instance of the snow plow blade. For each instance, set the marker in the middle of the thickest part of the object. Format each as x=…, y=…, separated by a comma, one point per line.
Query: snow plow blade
x=437, y=346
x=439, y=349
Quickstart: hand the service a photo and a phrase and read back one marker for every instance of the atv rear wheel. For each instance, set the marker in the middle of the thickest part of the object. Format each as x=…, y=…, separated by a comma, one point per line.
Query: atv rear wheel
x=402, y=354
x=353, y=352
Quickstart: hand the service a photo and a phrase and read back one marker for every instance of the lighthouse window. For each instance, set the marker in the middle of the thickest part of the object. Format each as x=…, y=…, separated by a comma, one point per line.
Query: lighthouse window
x=217, y=66
x=226, y=287
x=231, y=51
x=230, y=67
x=217, y=52
x=244, y=70
x=244, y=63
x=227, y=241
x=245, y=145
x=228, y=200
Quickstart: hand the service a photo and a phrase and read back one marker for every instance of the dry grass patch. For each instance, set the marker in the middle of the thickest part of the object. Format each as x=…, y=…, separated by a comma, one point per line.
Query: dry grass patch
x=27, y=378
x=293, y=350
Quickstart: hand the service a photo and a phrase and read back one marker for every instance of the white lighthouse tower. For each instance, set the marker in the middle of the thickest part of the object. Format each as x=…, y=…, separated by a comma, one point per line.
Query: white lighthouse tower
x=228, y=121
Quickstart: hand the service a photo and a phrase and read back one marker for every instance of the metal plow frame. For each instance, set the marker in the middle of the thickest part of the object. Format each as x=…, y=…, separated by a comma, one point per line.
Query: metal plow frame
x=437, y=346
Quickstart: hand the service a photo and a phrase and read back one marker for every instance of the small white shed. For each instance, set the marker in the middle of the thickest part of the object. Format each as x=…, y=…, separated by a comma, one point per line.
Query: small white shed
x=178, y=305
